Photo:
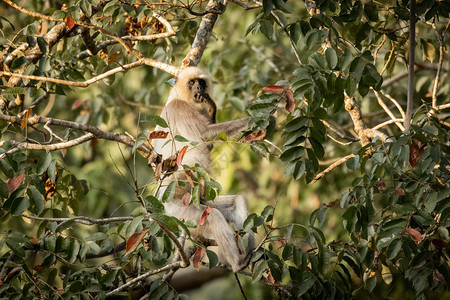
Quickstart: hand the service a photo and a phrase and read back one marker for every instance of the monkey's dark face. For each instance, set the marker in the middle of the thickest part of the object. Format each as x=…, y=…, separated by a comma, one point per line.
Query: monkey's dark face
x=198, y=88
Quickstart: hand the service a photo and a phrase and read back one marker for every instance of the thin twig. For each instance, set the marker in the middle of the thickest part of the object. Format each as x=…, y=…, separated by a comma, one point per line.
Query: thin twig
x=331, y=167
x=381, y=125
x=387, y=110
x=399, y=107
x=240, y=286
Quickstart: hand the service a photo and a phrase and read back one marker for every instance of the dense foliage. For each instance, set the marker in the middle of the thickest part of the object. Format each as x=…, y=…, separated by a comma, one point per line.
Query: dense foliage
x=349, y=199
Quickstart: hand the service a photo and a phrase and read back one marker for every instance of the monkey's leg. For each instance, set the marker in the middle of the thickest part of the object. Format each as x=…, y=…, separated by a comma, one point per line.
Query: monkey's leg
x=234, y=209
x=215, y=224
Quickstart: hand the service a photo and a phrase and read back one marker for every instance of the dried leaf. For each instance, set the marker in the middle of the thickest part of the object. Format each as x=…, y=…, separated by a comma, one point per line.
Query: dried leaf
x=415, y=235
x=15, y=182
x=332, y=203
x=70, y=22
x=381, y=186
x=205, y=215
x=181, y=155
x=290, y=103
x=399, y=191
x=186, y=199
x=439, y=243
x=34, y=240
x=255, y=136
x=277, y=89
x=416, y=150
x=38, y=268
x=201, y=182
x=269, y=277
x=25, y=117
x=158, y=135
x=135, y=240
x=190, y=177
x=113, y=57
x=198, y=256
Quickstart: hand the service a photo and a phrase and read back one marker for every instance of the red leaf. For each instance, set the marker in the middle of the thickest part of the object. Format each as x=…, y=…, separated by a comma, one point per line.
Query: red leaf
x=439, y=243
x=34, y=240
x=381, y=186
x=269, y=277
x=186, y=199
x=399, y=191
x=77, y=103
x=135, y=240
x=15, y=182
x=277, y=89
x=70, y=22
x=14, y=270
x=157, y=135
x=38, y=268
x=198, y=256
x=416, y=150
x=181, y=155
x=439, y=276
x=332, y=203
x=255, y=136
x=415, y=235
x=205, y=215
x=289, y=101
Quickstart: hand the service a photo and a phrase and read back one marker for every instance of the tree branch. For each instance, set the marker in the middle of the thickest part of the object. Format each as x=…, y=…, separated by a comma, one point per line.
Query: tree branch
x=203, y=34
x=387, y=110
x=331, y=167
x=58, y=146
x=412, y=51
x=112, y=136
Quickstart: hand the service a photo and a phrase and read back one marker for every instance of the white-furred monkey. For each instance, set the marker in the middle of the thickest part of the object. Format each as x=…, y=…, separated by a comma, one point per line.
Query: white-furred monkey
x=190, y=112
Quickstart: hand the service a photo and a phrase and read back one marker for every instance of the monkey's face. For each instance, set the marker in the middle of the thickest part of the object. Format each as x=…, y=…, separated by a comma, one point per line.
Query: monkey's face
x=198, y=89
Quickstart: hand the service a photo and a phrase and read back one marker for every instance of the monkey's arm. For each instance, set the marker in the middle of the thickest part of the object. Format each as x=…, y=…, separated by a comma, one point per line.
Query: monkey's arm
x=230, y=128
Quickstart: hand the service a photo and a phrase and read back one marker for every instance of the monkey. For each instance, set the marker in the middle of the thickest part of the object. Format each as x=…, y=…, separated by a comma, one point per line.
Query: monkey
x=191, y=113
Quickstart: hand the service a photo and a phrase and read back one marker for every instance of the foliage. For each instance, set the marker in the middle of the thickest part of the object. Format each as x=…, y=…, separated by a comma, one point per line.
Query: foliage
x=83, y=221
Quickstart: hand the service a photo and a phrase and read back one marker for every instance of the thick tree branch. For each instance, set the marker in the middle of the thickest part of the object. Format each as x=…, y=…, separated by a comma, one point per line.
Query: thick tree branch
x=112, y=136
x=58, y=146
x=365, y=134
x=203, y=34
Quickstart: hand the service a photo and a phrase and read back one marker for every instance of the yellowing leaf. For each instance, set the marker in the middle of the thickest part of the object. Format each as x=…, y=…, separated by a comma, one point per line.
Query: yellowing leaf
x=135, y=240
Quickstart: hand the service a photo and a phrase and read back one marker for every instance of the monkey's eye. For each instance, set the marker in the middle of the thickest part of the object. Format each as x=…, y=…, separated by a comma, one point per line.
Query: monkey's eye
x=191, y=82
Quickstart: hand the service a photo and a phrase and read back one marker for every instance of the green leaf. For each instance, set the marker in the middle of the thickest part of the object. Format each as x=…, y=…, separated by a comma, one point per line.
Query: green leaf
x=4, y=192
x=267, y=29
x=152, y=119
x=37, y=199
x=18, y=62
x=14, y=90
x=74, y=248
x=169, y=192
x=331, y=57
x=370, y=283
x=96, y=236
x=179, y=138
x=258, y=270
x=292, y=153
x=394, y=248
x=19, y=205
x=154, y=205
x=43, y=163
x=352, y=163
x=213, y=259
x=267, y=6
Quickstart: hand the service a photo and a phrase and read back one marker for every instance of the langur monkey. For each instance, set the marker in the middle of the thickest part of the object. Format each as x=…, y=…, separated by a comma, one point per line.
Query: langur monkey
x=191, y=113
